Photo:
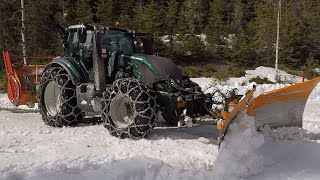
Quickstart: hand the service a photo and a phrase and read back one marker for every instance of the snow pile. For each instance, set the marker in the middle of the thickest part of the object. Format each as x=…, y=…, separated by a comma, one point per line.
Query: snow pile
x=266, y=72
x=270, y=73
x=243, y=84
x=238, y=154
x=283, y=133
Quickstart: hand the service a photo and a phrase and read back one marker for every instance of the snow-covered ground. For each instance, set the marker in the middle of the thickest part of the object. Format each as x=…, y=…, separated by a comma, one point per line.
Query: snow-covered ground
x=31, y=150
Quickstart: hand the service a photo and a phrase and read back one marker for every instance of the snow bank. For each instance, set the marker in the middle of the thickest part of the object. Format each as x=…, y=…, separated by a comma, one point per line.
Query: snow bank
x=238, y=154
x=242, y=83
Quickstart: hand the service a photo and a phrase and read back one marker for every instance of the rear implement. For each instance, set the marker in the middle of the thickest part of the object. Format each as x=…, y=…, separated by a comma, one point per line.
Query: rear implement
x=22, y=80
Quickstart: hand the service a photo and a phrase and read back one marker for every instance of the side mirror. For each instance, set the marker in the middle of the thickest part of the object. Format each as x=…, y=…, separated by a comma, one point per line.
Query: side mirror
x=147, y=45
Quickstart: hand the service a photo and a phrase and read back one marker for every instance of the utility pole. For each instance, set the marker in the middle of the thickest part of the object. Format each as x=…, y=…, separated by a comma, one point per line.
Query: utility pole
x=278, y=37
x=23, y=30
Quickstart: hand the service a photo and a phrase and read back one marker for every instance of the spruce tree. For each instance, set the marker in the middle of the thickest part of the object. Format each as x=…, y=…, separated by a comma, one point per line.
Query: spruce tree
x=83, y=12
x=265, y=26
x=216, y=29
x=150, y=19
x=105, y=12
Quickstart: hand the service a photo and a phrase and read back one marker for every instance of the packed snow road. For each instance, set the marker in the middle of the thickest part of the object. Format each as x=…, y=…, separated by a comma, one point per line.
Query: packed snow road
x=29, y=148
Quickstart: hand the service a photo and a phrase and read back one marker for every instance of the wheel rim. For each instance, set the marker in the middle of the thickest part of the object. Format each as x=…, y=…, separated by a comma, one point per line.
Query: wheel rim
x=52, y=98
x=121, y=111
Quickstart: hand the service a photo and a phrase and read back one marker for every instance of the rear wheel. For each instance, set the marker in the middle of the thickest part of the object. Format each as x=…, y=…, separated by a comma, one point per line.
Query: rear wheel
x=129, y=109
x=57, y=98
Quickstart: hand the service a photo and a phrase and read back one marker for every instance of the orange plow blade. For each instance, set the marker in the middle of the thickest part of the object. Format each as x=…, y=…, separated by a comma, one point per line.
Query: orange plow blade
x=282, y=107
x=277, y=108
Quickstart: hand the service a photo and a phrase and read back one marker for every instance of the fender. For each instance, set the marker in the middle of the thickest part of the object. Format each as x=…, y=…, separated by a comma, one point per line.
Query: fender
x=73, y=68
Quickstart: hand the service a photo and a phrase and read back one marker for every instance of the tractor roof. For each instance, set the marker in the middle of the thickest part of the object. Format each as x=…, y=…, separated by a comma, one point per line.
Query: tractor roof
x=91, y=27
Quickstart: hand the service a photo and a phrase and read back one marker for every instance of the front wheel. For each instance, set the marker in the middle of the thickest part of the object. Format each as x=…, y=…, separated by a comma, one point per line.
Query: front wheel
x=129, y=109
x=57, y=98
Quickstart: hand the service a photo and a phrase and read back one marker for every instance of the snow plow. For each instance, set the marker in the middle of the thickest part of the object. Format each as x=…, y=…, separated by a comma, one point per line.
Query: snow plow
x=277, y=108
x=22, y=79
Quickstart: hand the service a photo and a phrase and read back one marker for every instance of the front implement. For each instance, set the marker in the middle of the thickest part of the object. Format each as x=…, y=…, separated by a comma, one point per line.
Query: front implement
x=277, y=108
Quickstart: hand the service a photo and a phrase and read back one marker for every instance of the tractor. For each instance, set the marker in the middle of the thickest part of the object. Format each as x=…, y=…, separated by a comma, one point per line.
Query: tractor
x=112, y=72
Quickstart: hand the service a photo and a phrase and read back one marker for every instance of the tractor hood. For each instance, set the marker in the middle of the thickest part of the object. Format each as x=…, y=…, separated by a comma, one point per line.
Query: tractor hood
x=157, y=68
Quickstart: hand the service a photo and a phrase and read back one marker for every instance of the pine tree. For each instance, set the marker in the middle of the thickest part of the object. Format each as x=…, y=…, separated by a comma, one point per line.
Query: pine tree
x=126, y=17
x=243, y=51
x=172, y=17
x=193, y=12
x=105, y=12
x=151, y=21
x=265, y=26
x=171, y=20
x=10, y=36
x=83, y=12
x=216, y=29
x=42, y=37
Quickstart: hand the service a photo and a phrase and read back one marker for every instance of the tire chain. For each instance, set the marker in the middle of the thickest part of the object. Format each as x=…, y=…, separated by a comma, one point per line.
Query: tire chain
x=139, y=97
x=69, y=113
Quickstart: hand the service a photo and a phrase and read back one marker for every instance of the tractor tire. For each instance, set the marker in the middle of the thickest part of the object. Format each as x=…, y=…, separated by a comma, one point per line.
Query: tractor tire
x=129, y=109
x=57, y=98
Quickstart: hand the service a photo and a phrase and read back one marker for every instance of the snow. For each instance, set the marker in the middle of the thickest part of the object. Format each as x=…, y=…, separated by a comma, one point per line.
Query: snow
x=238, y=155
x=5, y=103
x=31, y=150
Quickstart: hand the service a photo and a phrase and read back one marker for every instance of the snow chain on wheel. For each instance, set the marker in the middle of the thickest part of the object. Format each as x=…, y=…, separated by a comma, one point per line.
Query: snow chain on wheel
x=129, y=109
x=57, y=98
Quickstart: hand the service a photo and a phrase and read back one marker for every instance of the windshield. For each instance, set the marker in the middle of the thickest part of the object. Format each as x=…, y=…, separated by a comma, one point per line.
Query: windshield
x=117, y=41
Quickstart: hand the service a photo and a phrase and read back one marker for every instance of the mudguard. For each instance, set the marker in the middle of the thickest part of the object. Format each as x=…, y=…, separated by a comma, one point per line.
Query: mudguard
x=73, y=67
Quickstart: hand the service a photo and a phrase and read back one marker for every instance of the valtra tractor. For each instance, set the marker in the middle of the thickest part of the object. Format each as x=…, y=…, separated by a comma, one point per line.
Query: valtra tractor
x=112, y=72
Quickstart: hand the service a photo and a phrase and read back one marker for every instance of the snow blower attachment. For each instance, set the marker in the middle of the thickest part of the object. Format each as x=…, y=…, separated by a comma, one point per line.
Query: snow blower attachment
x=22, y=80
x=277, y=108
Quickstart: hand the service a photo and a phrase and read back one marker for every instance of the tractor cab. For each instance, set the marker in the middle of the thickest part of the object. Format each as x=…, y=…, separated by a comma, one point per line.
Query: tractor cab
x=108, y=39
x=85, y=43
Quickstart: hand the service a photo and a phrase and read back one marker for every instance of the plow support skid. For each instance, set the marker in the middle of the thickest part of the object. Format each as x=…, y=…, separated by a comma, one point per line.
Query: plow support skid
x=281, y=107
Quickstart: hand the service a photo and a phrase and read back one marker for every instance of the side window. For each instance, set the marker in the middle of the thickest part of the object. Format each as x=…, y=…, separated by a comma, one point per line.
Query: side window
x=70, y=43
x=74, y=45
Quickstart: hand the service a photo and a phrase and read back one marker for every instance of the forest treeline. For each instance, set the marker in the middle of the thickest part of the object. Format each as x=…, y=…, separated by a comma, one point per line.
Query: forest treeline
x=238, y=32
